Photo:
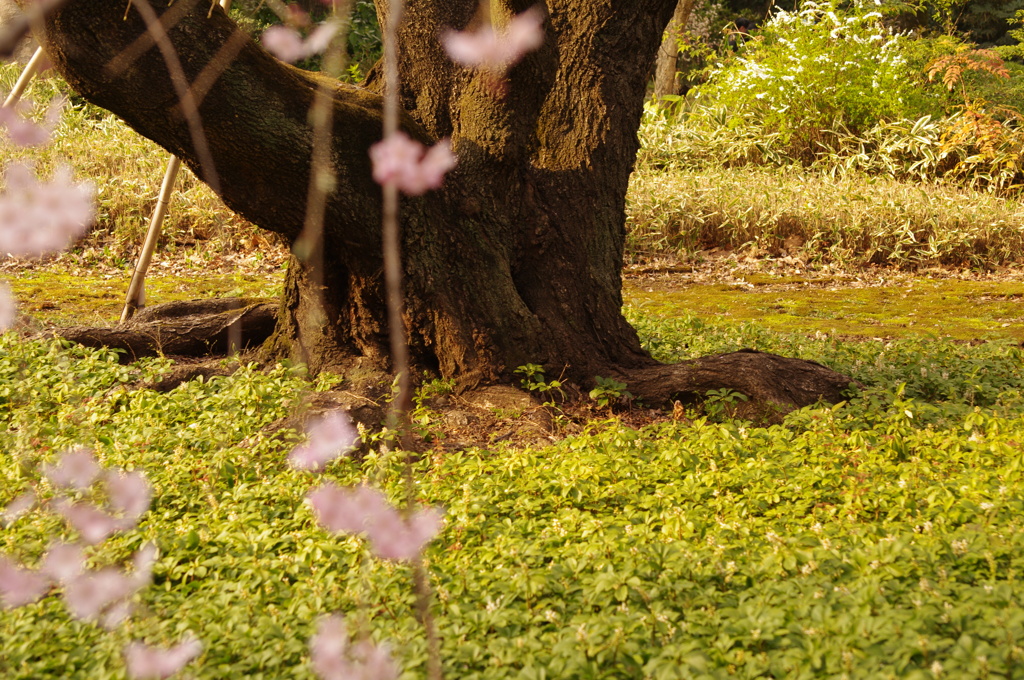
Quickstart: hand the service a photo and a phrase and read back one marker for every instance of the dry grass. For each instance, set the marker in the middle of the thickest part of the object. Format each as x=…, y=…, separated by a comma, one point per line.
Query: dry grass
x=850, y=221
x=693, y=204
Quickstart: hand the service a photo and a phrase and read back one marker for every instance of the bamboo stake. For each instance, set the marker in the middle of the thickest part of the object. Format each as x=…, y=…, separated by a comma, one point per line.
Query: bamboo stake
x=135, y=296
x=136, y=289
x=24, y=79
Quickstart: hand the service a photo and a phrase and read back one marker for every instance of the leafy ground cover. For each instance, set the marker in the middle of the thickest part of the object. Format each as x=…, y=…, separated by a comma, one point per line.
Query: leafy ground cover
x=79, y=290
x=877, y=538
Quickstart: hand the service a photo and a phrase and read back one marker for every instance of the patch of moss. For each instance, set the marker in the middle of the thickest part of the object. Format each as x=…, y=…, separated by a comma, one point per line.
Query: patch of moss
x=964, y=310
x=74, y=300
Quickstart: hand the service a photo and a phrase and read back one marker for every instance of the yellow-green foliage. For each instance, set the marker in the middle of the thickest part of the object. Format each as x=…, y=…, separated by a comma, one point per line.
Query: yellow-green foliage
x=127, y=170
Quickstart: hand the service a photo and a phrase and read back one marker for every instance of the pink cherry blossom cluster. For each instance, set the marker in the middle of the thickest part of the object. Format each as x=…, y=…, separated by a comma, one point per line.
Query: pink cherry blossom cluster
x=155, y=663
x=488, y=49
x=103, y=595
x=336, y=658
x=41, y=217
x=23, y=131
x=128, y=494
x=287, y=44
x=366, y=510
x=330, y=437
x=38, y=217
x=407, y=163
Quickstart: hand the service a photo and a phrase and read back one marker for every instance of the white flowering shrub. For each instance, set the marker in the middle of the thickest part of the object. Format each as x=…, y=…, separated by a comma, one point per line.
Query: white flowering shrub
x=816, y=69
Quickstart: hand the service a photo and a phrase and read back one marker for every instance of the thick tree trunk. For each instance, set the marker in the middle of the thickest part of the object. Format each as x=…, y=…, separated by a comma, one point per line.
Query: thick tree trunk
x=516, y=260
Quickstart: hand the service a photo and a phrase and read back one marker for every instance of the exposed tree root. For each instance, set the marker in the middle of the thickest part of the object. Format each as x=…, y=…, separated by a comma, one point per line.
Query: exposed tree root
x=772, y=385
x=192, y=328
x=769, y=381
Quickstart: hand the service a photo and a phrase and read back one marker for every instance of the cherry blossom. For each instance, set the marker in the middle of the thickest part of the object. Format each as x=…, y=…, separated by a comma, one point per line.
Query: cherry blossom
x=18, y=507
x=92, y=523
x=77, y=469
x=8, y=308
x=330, y=437
x=366, y=510
x=393, y=538
x=348, y=510
x=287, y=44
x=143, y=562
x=407, y=163
x=130, y=493
x=146, y=663
x=485, y=48
x=93, y=593
x=64, y=562
x=40, y=217
x=104, y=594
x=335, y=659
x=20, y=586
x=24, y=132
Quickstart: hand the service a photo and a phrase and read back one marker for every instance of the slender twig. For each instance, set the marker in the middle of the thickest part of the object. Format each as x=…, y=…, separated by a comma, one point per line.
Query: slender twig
x=402, y=404
x=401, y=407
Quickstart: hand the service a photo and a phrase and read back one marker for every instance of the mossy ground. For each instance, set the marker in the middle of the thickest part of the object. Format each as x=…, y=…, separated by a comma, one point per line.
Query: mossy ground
x=907, y=306
x=82, y=297
x=883, y=304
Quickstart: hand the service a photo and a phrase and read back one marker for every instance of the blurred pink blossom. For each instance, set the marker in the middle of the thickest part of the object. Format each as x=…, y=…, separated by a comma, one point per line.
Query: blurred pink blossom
x=330, y=437
x=76, y=468
x=335, y=659
x=287, y=44
x=40, y=217
x=92, y=523
x=348, y=510
x=408, y=164
x=130, y=493
x=143, y=561
x=8, y=308
x=485, y=48
x=396, y=539
x=64, y=562
x=20, y=505
x=148, y=663
x=116, y=614
x=92, y=594
x=20, y=586
x=24, y=132
x=366, y=510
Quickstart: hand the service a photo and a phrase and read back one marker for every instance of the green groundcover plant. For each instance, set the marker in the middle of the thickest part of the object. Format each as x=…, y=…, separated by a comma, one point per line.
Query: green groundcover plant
x=876, y=538
x=143, y=530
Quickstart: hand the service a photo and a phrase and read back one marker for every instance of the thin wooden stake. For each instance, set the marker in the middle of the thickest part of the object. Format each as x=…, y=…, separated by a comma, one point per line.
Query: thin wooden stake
x=134, y=298
x=25, y=78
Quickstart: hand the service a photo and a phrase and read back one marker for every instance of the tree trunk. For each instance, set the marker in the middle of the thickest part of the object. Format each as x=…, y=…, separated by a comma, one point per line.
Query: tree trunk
x=665, y=81
x=515, y=260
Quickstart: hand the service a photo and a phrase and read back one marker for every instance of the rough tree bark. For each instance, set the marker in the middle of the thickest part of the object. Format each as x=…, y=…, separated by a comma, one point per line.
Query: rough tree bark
x=516, y=260
x=665, y=81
